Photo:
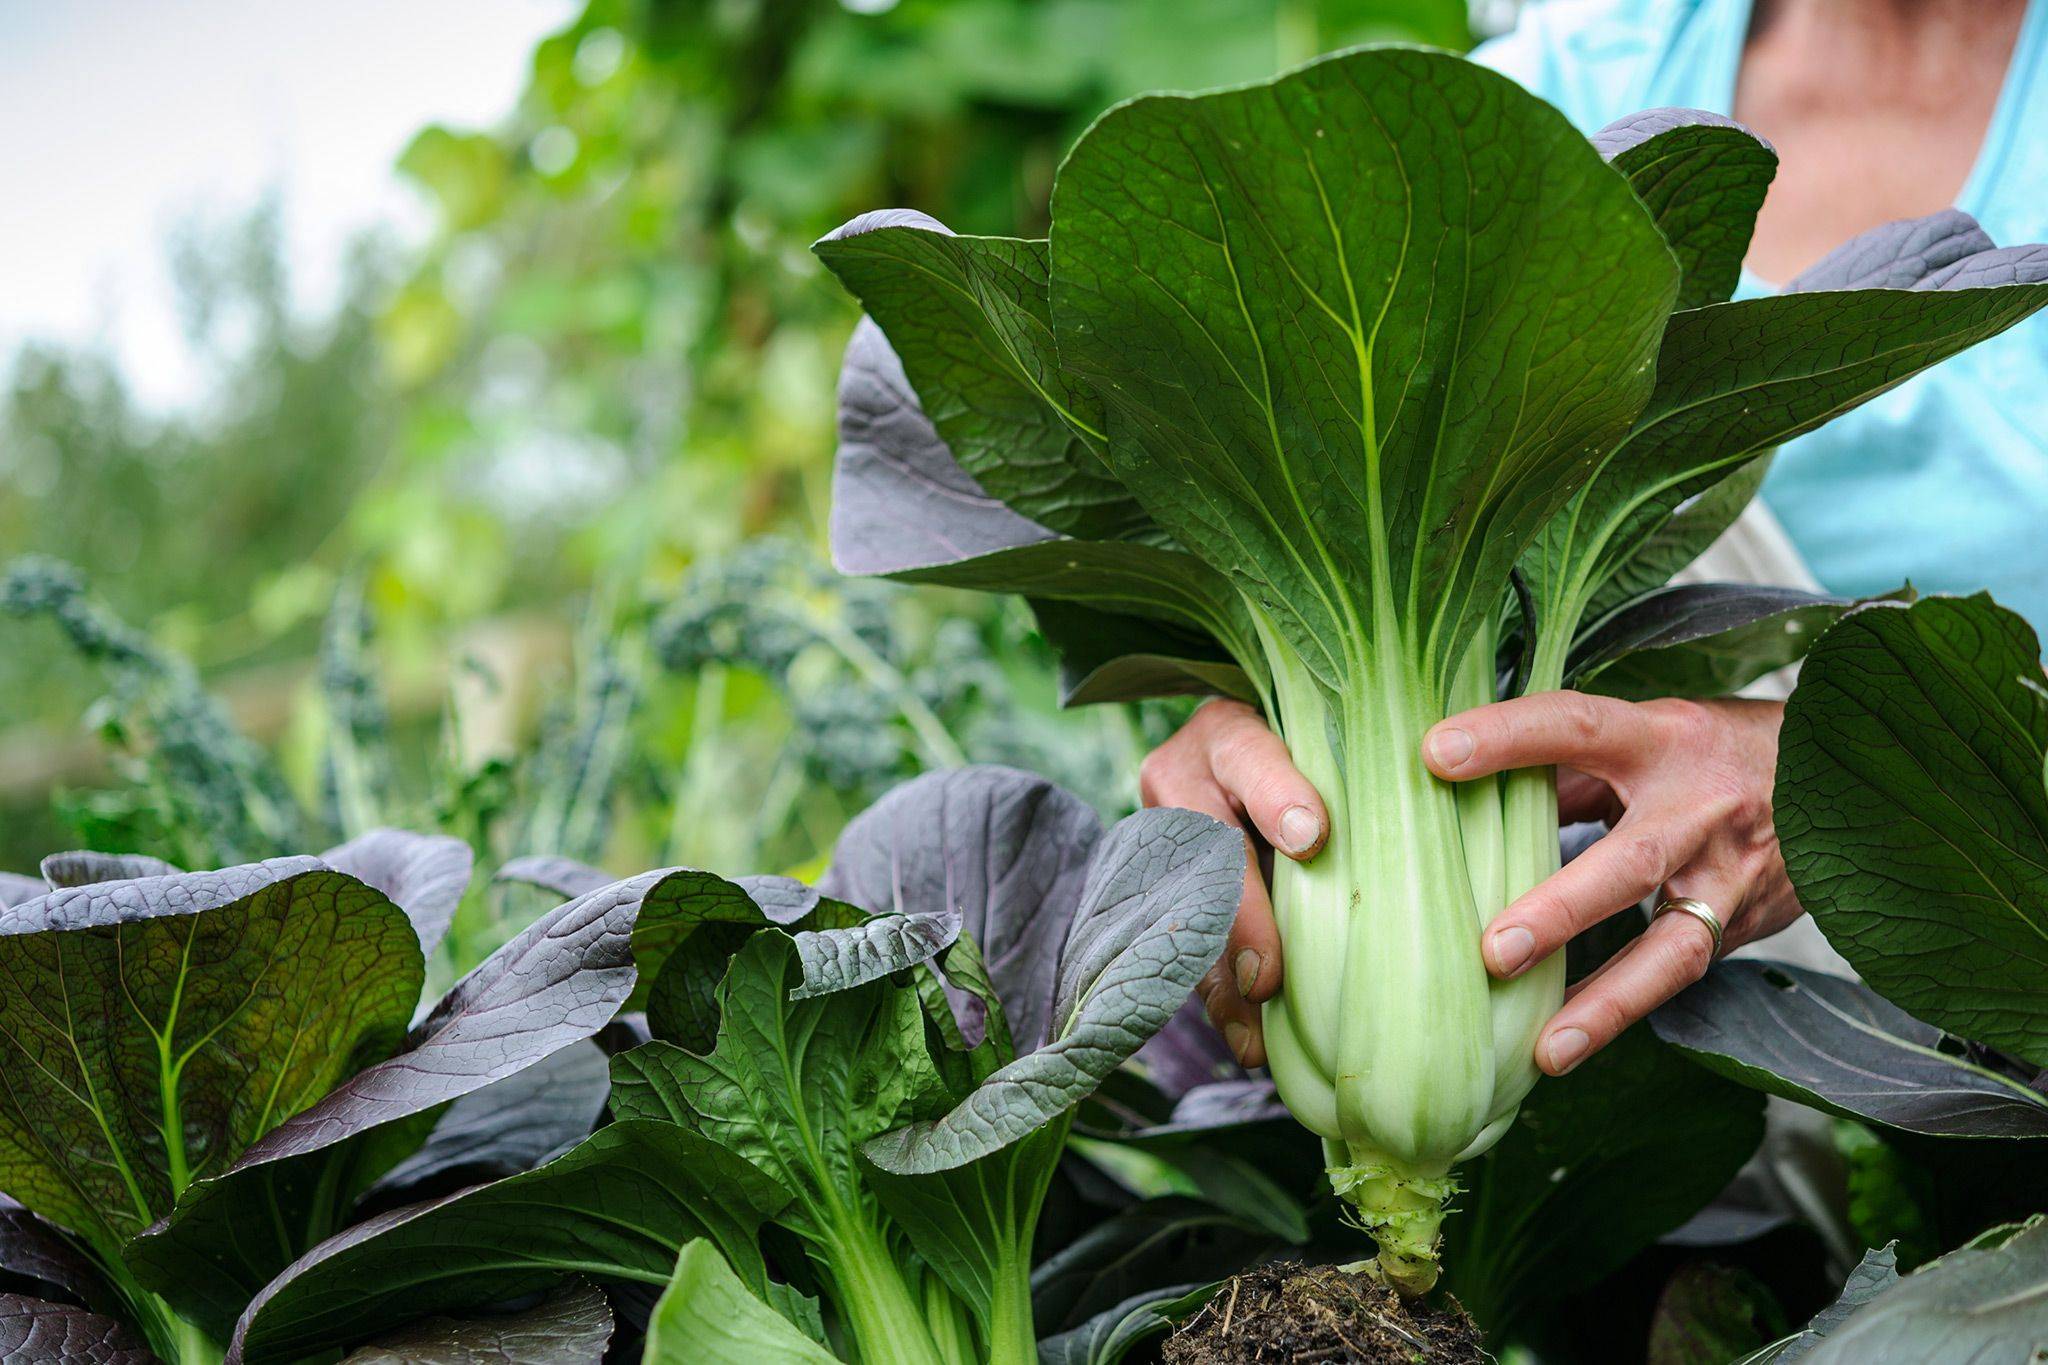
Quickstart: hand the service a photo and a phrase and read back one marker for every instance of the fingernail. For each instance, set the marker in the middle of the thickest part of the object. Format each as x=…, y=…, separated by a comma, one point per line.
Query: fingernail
x=1239, y=1037
x=1299, y=829
x=1567, y=1049
x=1449, y=747
x=1511, y=949
x=1248, y=965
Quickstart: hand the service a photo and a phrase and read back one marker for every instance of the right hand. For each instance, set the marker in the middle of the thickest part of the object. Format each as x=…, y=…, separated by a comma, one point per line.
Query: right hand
x=1226, y=763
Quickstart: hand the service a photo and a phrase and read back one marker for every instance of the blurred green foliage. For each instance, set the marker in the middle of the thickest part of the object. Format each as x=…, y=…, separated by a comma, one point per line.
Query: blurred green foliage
x=568, y=416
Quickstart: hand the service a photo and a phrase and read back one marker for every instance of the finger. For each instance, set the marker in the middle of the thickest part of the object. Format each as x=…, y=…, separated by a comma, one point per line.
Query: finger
x=1626, y=864
x=1252, y=764
x=1597, y=735
x=1231, y=1015
x=1673, y=952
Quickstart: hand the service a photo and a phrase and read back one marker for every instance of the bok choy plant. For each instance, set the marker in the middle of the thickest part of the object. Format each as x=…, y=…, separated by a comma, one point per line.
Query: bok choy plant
x=207, y=1073
x=1352, y=393
x=837, y=1142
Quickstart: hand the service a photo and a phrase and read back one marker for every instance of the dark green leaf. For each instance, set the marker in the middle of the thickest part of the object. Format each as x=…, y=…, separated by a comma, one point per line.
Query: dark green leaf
x=32, y=1250
x=795, y=1085
x=1913, y=815
x=1586, y=1178
x=970, y=319
x=1347, y=329
x=1874, y=1274
x=1114, y=1333
x=235, y=998
x=620, y=1205
x=1164, y=1241
x=1840, y=1047
x=1681, y=539
x=1105, y=657
x=1702, y=177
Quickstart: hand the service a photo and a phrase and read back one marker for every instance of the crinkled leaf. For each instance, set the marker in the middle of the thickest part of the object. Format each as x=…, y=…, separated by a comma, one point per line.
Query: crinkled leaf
x=1187, y=1053
x=902, y=506
x=554, y=985
x=840, y=959
x=1007, y=850
x=1702, y=177
x=263, y=984
x=619, y=1205
x=566, y=877
x=15, y=888
x=1913, y=814
x=422, y=874
x=971, y=320
x=1979, y=1304
x=507, y=1127
x=59, y=1334
x=1906, y=254
x=571, y=1326
x=1346, y=328
x=794, y=1085
x=1162, y=890
x=83, y=868
x=708, y=1316
x=1114, y=1333
x=1699, y=639
x=1585, y=1177
x=33, y=1250
x=1838, y=1046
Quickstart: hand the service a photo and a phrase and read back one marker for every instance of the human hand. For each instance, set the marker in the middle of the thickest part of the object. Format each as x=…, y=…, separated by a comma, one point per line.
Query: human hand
x=1686, y=787
x=1226, y=763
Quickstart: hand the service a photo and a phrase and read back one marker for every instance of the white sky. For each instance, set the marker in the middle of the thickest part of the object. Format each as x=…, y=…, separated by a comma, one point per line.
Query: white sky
x=118, y=118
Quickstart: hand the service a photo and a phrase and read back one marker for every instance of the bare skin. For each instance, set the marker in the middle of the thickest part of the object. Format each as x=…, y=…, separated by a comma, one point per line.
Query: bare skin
x=1877, y=109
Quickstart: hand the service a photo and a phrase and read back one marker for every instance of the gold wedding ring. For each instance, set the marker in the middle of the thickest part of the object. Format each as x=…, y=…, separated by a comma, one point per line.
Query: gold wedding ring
x=1700, y=911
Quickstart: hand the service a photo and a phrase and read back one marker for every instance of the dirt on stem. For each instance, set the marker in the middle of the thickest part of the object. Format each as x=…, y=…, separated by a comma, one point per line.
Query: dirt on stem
x=1294, y=1315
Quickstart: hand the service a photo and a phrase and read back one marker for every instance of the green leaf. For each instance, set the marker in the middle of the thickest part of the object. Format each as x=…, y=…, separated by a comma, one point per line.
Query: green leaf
x=1585, y=1177
x=707, y=1316
x=1874, y=1274
x=424, y=875
x=1351, y=420
x=1913, y=815
x=795, y=1085
x=1736, y=379
x=618, y=1206
x=970, y=319
x=1161, y=893
x=1106, y=657
x=1841, y=1048
x=571, y=1326
x=151, y=1030
x=1979, y=1303
x=1682, y=538
x=1158, y=1241
x=1702, y=177
x=1114, y=1333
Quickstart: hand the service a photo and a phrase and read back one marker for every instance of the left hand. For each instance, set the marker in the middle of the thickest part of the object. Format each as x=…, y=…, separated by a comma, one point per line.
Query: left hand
x=1687, y=788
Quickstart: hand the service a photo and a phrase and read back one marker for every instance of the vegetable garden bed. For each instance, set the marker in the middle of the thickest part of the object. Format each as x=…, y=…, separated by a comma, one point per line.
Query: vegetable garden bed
x=1366, y=394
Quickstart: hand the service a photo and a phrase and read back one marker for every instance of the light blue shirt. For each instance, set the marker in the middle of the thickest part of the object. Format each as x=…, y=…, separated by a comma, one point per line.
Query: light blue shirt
x=1944, y=480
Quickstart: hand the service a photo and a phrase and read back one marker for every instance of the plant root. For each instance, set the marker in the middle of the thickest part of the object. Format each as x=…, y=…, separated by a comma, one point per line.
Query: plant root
x=1321, y=1315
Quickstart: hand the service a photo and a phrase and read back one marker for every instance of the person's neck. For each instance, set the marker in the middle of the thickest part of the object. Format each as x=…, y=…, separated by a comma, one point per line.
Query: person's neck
x=1923, y=43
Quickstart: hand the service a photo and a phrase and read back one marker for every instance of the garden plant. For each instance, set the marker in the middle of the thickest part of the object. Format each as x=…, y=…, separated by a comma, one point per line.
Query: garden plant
x=1363, y=394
